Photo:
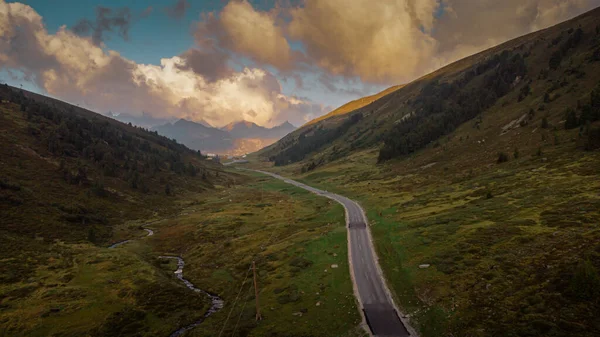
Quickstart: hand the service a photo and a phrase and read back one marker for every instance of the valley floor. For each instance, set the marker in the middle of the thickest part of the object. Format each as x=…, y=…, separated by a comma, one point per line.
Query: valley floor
x=297, y=241
x=507, y=249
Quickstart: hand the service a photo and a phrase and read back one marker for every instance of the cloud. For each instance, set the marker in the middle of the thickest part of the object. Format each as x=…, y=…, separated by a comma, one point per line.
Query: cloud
x=377, y=41
x=178, y=9
x=76, y=69
x=469, y=27
x=248, y=32
x=211, y=63
x=107, y=20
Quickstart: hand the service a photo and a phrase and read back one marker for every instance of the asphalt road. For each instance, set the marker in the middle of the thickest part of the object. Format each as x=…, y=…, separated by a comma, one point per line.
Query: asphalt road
x=373, y=295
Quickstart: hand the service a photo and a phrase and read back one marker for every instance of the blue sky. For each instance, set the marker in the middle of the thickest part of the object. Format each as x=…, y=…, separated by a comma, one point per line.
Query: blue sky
x=158, y=36
x=151, y=38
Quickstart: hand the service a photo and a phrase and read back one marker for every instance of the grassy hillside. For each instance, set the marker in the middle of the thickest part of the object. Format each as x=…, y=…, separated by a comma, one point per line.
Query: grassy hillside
x=490, y=179
x=71, y=182
x=71, y=174
x=356, y=104
x=541, y=74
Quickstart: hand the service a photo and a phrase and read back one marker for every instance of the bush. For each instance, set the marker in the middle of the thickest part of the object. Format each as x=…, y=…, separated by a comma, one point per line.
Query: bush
x=585, y=283
x=300, y=262
x=571, y=119
x=593, y=139
x=502, y=157
x=515, y=154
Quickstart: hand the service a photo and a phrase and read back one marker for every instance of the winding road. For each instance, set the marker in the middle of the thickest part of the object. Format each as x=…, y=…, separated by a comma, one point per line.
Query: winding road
x=378, y=308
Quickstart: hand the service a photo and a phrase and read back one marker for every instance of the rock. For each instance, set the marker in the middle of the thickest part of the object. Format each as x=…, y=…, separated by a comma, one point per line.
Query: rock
x=325, y=270
x=334, y=254
x=318, y=304
x=424, y=266
x=333, y=266
x=299, y=314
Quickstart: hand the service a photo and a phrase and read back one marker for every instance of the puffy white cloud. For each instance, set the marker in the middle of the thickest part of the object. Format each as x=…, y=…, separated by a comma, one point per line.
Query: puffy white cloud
x=74, y=68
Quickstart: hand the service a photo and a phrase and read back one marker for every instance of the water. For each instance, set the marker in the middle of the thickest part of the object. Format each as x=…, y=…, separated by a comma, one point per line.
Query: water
x=217, y=302
x=115, y=245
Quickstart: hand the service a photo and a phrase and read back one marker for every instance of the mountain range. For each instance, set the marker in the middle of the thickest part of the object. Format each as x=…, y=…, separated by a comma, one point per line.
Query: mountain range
x=236, y=138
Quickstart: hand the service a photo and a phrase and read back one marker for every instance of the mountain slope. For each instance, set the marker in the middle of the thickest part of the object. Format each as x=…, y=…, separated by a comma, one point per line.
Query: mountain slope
x=356, y=104
x=480, y=182
x=81, y=171
x=516, y=75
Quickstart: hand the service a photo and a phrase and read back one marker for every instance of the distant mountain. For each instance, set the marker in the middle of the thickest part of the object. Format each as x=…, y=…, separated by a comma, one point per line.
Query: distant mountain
x=245, y=129
x=233, y=139
x=197, y=136
x=145, y=120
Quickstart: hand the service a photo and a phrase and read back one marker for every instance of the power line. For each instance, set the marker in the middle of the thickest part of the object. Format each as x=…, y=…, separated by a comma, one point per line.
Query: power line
x=240, y=316
x=235, y=301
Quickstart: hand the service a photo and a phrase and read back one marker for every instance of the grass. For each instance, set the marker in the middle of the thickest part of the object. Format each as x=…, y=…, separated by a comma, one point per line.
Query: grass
x=74, y=289
x=58, y=278
x=81, y=289
x=504, y=241
x=294, y=239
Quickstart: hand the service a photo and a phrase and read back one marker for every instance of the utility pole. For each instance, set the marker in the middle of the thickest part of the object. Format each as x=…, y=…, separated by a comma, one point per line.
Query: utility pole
x=258, y=317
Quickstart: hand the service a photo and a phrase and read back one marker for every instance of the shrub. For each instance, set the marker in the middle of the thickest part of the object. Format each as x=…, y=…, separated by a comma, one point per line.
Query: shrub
x=515, y=154
x=502, y=157
x=300, y=262
x=585, y=283
x=571, y=119
x=593, y=139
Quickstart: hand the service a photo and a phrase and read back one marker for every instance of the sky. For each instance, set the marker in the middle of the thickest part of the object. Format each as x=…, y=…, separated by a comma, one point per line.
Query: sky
x=264, y=61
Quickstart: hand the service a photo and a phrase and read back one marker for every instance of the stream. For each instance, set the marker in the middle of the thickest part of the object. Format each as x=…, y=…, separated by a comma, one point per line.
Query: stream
x=150, y=233
x=216, y=302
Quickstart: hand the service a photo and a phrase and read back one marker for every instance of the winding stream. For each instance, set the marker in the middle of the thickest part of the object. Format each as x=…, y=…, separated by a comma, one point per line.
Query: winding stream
x=150, y=233
x=216, y=302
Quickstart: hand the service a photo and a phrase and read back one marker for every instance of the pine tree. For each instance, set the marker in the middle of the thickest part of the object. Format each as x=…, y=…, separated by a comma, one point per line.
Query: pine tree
x=571, y=121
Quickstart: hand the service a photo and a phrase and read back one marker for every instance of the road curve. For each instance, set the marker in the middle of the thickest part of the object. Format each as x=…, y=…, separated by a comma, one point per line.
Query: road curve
x=378, y=307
